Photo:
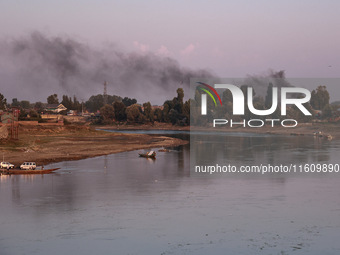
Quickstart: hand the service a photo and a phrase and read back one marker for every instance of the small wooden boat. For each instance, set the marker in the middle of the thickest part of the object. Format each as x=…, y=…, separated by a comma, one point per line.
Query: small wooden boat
x=150, y=154
x=37, y=171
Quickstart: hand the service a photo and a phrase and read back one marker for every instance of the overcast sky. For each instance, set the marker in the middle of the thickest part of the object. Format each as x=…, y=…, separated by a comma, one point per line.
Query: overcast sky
x=228, y=38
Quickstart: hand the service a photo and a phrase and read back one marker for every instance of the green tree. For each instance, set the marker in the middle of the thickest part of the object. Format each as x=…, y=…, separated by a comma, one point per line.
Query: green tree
x=134, y=114
x=178, y=101
x=3, y=102
x=158, y=115
x=33, y=114
x=180, y=95
x=174, y=116
x=167, y=106
x=148, y=111
x=76, y=104
x=173, y=110
x=23, y=115
x=96, y=102
x=15, y=102
x=186, y=112
x=107, y=112
x=71, y=104
x=53, y=99
x=25, y=104
x=38, y=106
x=119, y=111
x=129, y=101
x=67, y=102
x=319, y=98
x=327, y=112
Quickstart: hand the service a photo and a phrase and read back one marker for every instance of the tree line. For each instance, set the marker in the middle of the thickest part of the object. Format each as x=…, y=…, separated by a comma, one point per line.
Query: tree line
x=175, y=111
x=111, y=109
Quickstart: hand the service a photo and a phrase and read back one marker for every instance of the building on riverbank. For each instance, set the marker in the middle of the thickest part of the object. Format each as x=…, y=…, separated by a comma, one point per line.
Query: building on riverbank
x=55, y=108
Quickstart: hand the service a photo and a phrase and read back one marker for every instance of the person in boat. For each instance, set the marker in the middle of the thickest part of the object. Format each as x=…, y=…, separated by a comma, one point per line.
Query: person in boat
x=151, y=153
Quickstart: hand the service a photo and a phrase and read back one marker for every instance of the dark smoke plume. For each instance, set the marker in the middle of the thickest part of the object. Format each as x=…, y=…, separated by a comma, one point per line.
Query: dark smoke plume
x=37, y=66
x=260, y=82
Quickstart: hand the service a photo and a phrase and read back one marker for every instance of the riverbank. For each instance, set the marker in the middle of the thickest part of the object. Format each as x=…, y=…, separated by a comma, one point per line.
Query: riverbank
x=43, y=144
x=49, y=144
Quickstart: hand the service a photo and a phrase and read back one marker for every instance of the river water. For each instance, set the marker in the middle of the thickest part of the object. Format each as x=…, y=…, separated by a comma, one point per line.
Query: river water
x=123, y=204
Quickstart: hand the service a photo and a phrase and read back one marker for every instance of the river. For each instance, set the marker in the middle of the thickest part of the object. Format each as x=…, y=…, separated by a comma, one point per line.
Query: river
x=123, y=204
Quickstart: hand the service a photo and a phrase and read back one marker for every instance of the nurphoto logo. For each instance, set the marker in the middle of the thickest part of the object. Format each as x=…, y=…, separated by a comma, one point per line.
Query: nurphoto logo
x=284, y=97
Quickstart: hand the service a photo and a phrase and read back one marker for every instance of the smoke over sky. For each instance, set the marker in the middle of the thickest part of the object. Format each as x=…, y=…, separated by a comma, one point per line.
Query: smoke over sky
x=151, y=47
x=36, y=66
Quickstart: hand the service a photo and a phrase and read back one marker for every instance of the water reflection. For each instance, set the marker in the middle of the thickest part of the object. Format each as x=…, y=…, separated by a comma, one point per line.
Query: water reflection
x=124, y=204
x=219, y=148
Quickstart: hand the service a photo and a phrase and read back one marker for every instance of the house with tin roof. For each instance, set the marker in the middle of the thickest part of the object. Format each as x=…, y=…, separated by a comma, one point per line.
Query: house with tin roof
x=55, y=108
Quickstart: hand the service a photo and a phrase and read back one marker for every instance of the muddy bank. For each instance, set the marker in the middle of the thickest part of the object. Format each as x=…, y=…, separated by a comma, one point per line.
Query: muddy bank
x=45, y=145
